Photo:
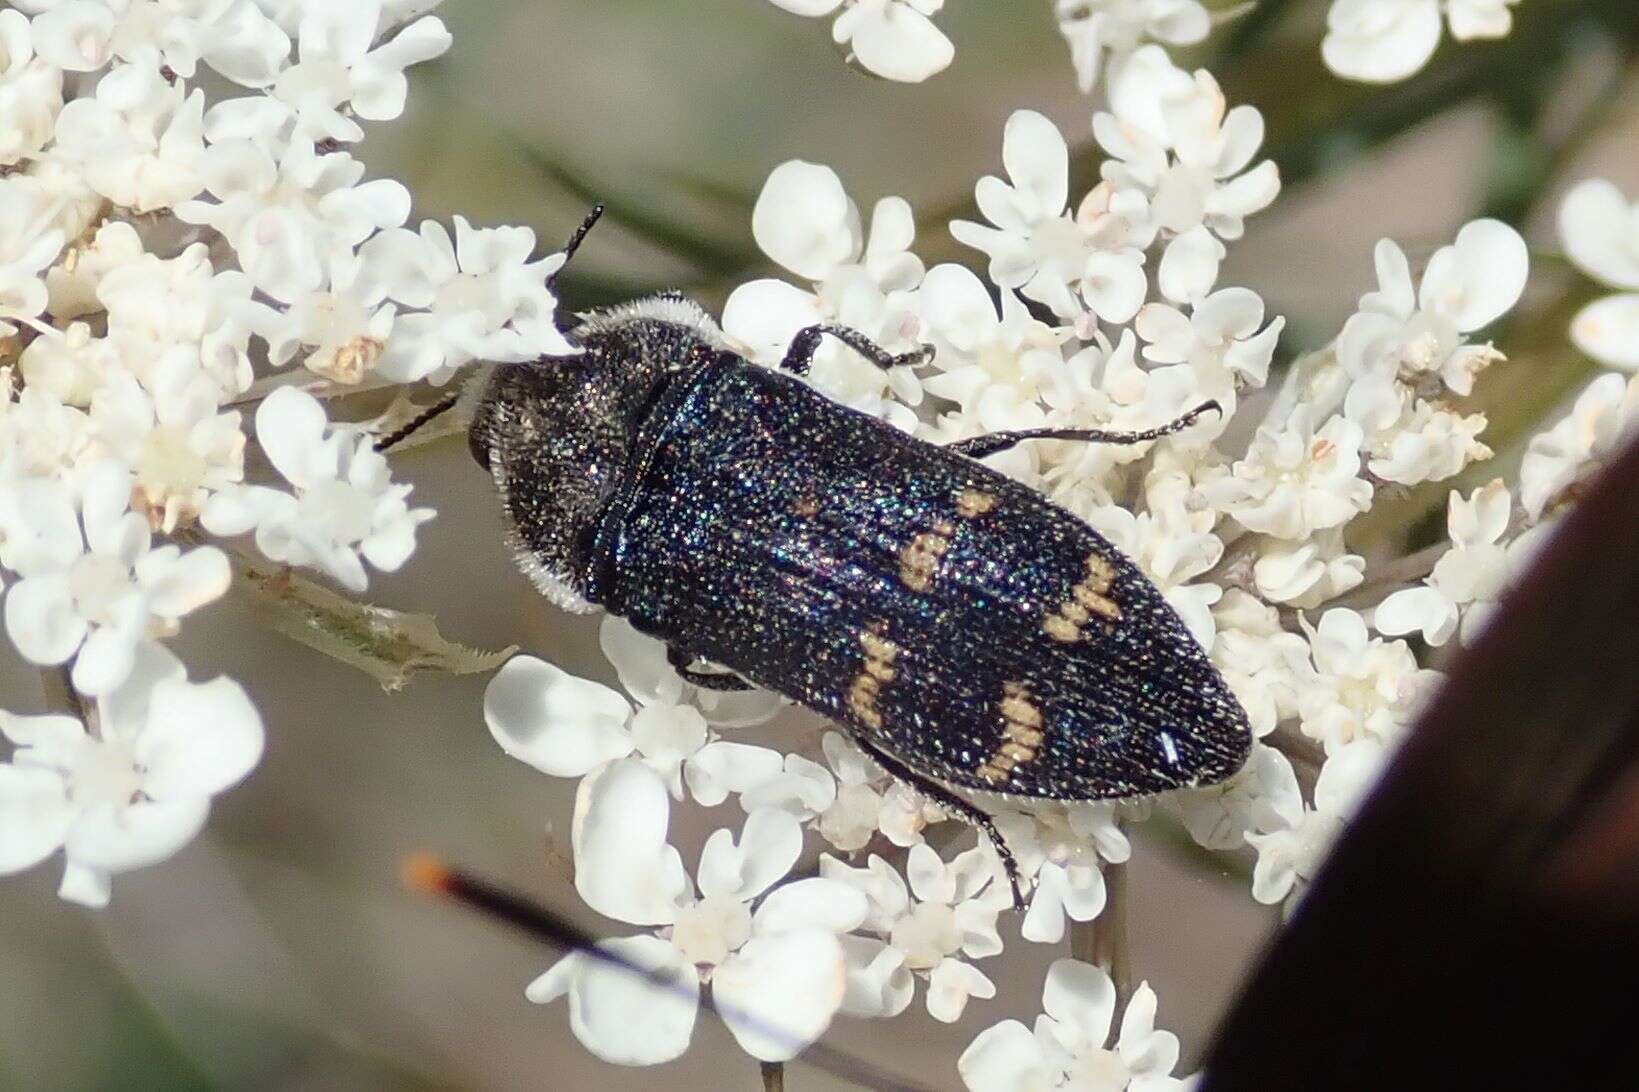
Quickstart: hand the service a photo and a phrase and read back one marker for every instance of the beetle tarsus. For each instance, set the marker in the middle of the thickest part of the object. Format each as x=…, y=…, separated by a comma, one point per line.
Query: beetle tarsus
x=710, y=680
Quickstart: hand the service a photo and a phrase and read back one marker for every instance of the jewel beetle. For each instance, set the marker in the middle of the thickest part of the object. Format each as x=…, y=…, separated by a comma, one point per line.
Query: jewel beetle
x=968, y=633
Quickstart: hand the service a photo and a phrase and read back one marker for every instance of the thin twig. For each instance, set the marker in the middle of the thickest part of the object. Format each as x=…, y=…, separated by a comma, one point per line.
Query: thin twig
x=1305, y=755
x=1105, y=941
x=302, y=379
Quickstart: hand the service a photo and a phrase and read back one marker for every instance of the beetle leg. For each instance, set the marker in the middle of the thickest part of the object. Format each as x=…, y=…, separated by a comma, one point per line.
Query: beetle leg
x=805, y=344
x=956, y=806
x=711, y=680
x=977, y=447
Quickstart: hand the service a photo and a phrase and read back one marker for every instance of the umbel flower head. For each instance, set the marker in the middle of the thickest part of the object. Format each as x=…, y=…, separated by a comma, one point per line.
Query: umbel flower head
x=131, y=785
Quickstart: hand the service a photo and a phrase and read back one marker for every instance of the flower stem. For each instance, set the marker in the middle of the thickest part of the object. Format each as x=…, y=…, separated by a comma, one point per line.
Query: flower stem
x=773, y=1076
x=1104, y=940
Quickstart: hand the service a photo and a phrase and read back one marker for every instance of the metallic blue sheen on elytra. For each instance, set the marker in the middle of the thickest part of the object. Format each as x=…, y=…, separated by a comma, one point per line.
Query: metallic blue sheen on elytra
x=740, y=516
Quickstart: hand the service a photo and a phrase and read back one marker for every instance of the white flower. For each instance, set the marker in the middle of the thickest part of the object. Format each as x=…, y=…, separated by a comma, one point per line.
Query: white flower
x=1264, y=664
x=132, y=789
x=893, y=38
x=92, y=581
x=1118, y=27
x=1473, y=572
x=139, y=142
x=1062, y=849
x=345, y=506
x=806, y=222
x=28, y=244
x=1292, y=840
x=163, y=310
x=169, y=433
x=854, y=814
x=74, y=285
x=1067, y=1048
x=1428, y=444
x=1308, y=572
x=293, y=219
x=39, y=436
x=1004, y=373
x=1220, y=340
x=1600, y=230
x=1363, y=687
x=1417, y=336
x=777, y=973
x=478, y=297
x=1604, y=413
x=31, y=91
x=1175, y=141
x=953, y=914
x=342, y=65
x=1296, y=480
x=567, y=727
x=1037, y=247
x=1219, y=816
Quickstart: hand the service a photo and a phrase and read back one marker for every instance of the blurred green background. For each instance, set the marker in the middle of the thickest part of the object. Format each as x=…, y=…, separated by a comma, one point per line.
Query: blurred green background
x=279, y=951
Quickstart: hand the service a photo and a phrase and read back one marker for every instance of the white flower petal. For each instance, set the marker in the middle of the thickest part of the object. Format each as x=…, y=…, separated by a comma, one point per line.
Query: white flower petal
x=1608, y=331
x=804, y=220
x=620, y=1016
x=950, y=984
x=558, y=723
x=778, y=993
x=1479, y=278
x=136, y=835
x=640, y=662
x=897, y=42
x=35, y=814
x=723, y=767
x=1006, y=1057
x=41, y=620
x=813, y=903
x=1037, y=160
x=1082, y=996
x=201, y=738
x=624, y=867
x=1594, y=226
x=770, y=843
x=1189, y=267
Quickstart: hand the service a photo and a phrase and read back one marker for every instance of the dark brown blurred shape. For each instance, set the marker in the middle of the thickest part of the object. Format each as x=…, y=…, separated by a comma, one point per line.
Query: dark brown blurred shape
x=1478, y=924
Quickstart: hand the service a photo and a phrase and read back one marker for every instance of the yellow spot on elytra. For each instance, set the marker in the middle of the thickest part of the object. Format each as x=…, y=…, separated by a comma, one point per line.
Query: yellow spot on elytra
x=972, y=503
x=878, y=669
x=1061, y=629
x=1021, y=734
x=1087, y=598
x=919, y=562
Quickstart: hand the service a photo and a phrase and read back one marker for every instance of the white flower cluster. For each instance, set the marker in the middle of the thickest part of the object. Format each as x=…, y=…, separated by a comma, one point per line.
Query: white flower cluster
x=894, y=39
x=1099, y=312
x=159, y=250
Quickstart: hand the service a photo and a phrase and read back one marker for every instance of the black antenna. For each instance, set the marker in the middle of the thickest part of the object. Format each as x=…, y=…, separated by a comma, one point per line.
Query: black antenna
x=444, y=405
x=437, y=409
x=574, y=243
